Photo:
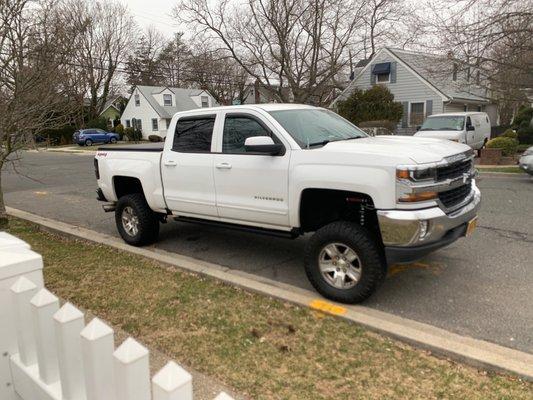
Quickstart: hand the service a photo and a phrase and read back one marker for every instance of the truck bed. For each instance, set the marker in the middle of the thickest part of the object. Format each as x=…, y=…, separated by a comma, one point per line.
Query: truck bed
x=152, y=147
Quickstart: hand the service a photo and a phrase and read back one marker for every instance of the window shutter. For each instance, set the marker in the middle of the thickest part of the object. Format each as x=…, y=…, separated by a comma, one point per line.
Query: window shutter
x=405, y=114
x=429, y=107
x=393, y=66
x=372, y=77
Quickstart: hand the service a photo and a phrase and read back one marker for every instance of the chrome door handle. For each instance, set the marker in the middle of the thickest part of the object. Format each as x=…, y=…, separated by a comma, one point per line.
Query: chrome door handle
x=224, y=165
x=170, y=163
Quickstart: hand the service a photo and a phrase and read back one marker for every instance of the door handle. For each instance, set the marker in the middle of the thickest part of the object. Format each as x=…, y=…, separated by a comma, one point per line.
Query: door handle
x=170, y=163
x=224, y=165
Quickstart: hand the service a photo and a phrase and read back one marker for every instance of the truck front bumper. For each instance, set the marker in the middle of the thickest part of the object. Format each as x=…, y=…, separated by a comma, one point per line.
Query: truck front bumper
x=409, y=235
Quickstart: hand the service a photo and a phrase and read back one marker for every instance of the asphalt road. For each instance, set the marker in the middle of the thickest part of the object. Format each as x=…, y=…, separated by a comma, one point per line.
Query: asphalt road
x=480, y=286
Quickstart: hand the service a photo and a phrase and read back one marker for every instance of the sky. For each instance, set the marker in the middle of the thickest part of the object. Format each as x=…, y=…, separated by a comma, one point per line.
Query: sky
x=154, y=12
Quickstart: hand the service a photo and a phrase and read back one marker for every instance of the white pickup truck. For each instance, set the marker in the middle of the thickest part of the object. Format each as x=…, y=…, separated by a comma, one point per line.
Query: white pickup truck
x=285, y=169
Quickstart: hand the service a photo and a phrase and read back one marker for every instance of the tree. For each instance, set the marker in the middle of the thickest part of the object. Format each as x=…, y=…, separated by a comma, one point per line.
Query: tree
x=296, y=44
x=144, y=66
x=491, y=40
x=374, y=104
x=102, y=32
x=174, y=61
x=34, y=96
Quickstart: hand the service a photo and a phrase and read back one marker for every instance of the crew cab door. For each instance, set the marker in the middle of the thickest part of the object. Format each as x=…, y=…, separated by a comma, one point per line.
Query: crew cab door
x=187, y=167
x=250, y=187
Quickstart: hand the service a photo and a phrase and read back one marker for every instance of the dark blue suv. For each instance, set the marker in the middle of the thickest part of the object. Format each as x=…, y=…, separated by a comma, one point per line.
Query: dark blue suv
x=86, y=137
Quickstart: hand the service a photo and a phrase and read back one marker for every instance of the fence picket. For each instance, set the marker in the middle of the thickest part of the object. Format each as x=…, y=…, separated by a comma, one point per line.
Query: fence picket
x=97, y=350
x=172, y=383
x=132, y=371
x=44, y=306
x=22, y=292
x=223, y=396
x=69, y=323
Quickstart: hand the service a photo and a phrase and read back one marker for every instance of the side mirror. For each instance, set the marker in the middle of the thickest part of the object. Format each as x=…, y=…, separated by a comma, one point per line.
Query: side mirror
x=470, y=128
x=262, y=145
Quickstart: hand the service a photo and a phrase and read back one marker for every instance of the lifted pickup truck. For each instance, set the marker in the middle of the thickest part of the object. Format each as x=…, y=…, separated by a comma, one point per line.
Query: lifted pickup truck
x=286, y=169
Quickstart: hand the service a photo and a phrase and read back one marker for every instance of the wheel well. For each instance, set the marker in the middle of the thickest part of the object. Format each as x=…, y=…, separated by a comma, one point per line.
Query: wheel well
x=319, y=207
x=126, y=185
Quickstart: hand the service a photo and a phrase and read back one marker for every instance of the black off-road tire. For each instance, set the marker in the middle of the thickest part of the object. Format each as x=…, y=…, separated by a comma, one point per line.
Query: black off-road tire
x=148, y=226
x=373, y=267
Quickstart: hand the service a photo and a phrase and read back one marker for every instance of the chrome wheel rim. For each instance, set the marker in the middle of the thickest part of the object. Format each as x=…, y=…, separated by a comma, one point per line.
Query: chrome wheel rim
x=340, y=265
x=130, y=221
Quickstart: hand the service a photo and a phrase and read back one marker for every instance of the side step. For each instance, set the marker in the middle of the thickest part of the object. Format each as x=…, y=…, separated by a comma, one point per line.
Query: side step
x=292, y=234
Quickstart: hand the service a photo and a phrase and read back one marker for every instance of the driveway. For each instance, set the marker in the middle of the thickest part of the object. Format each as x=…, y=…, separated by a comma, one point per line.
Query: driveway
x=480, y=287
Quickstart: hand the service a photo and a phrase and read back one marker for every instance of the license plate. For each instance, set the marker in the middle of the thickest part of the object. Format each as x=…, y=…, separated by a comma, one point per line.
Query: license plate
x=471, y=227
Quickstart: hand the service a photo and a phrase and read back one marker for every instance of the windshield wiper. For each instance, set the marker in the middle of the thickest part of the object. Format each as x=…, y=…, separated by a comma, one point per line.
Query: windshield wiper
x=321, y=143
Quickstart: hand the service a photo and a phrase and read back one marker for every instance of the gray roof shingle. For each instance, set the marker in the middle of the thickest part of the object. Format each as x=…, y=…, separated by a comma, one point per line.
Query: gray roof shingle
x=182, y=99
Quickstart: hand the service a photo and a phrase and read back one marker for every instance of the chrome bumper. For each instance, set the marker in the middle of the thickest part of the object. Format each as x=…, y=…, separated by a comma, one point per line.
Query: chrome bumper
x=414, y=228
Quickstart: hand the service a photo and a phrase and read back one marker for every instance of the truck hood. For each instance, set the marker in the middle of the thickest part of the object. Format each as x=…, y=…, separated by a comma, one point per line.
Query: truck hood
x=440, y=134
x=419, y=150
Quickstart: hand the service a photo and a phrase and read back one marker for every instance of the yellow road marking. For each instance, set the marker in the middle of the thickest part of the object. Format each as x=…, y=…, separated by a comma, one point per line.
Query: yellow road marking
x=41, y=193
x=329, y=308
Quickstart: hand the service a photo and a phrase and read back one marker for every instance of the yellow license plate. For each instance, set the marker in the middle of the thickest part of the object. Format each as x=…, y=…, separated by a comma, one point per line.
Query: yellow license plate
x=471, y=227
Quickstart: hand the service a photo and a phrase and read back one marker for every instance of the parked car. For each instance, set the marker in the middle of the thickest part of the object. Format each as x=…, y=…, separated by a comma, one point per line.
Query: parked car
x=286, y=170
x=88, y=137
x=471, y=128
x=526, y=161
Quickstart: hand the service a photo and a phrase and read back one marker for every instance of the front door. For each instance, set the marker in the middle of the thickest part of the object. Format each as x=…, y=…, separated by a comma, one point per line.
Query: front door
x=187, y=168
x=250, y=187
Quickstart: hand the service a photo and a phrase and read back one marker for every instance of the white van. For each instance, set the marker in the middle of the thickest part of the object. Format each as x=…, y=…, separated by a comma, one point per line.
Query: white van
x=471, y=128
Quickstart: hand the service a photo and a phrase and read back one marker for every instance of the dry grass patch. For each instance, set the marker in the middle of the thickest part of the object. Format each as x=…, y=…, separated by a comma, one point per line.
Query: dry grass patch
x=262, y=347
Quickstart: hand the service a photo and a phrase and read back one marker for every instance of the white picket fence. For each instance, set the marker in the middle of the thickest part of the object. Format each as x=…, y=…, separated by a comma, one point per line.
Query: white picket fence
x=48, y=353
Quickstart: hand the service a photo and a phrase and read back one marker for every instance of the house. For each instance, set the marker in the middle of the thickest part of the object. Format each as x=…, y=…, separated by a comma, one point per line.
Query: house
x=150, y=108
x=425, y=84
x=112, y=110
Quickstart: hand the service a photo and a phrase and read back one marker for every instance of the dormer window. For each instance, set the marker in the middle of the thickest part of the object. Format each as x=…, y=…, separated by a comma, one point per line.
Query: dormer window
x=167, y=100
x=205, y=101
x=137, y=100
x=382, y=72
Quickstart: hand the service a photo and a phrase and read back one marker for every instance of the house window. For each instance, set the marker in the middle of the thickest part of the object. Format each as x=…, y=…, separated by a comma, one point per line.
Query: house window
x=455, y=70
x=137, y=100
x=137, y=124
x=155, y=124
x=416, y=114
x=167, y=100
x=128, y=123
x=205, y=101
x=382, y=72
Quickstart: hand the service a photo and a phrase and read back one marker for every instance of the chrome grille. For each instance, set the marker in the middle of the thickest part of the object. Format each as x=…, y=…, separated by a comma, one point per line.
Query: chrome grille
x=454, y=170
x=455, y=196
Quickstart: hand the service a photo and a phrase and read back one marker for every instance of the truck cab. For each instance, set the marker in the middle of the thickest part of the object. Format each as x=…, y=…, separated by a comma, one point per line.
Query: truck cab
x=286, y=170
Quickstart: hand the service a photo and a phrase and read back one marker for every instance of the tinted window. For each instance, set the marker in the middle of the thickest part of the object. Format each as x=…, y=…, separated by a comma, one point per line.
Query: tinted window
x=194, y=134
x=237, y=129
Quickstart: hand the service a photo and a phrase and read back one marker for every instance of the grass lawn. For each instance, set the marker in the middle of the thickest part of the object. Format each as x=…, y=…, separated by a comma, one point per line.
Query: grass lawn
x=262, y=347
x=509, y=170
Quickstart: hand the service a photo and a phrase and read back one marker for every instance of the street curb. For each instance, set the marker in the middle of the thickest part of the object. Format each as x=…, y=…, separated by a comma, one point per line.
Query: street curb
x=475, y=352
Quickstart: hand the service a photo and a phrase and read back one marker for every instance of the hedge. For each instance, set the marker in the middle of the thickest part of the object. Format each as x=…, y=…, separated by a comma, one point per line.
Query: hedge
x=508, y=145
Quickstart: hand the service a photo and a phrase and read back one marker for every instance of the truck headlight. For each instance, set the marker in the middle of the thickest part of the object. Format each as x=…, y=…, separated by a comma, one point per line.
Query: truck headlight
x=415, y=197
x=416, y=173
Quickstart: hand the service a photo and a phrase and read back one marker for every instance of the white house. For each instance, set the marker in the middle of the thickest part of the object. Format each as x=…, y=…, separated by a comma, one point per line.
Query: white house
x=150, y=108
x=425, y=84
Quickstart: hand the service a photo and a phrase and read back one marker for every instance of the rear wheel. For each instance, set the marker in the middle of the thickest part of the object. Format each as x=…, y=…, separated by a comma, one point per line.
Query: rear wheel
x=344, y=263
x=136, y=222
x=113, y=140
x=88, y=142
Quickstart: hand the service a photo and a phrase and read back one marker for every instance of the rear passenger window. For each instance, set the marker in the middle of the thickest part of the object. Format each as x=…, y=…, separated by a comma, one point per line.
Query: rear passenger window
x=194, y=134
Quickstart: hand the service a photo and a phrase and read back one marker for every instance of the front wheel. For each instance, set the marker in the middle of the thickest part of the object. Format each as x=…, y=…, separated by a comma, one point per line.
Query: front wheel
x=113, y=140
x=136, y=222
x=88, y=142
x=344, y=263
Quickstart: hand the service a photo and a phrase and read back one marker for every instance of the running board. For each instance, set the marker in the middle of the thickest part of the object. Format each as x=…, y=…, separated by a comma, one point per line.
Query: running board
x=292, y=234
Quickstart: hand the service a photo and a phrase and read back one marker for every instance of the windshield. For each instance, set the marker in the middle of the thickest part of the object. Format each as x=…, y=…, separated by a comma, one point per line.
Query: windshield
x=444, y=123
x=312, y=127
